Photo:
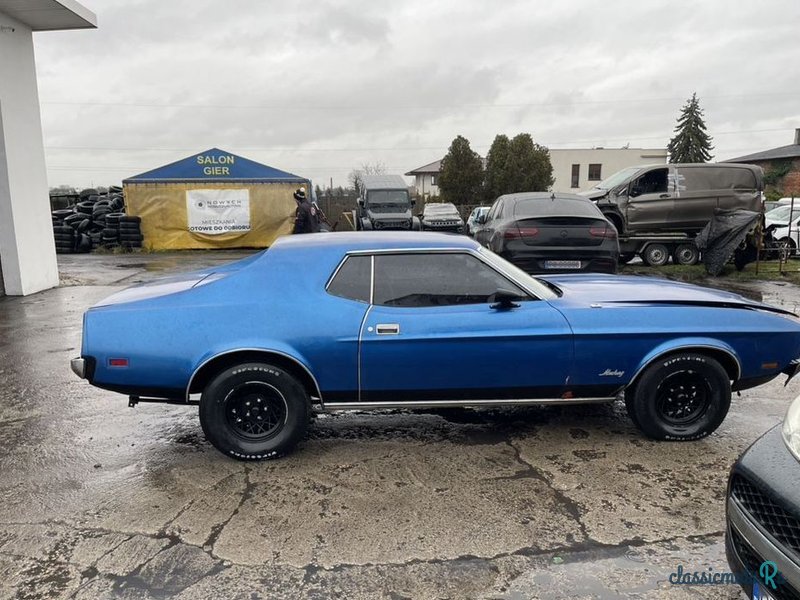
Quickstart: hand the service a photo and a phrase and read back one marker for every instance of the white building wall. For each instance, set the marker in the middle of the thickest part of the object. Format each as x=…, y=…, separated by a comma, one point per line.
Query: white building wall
x=27, y=249
x=426, y=184
x=610, y=159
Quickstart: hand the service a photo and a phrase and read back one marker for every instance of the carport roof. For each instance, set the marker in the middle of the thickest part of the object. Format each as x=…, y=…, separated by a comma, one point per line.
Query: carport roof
x=49, y=15
x=217, y=166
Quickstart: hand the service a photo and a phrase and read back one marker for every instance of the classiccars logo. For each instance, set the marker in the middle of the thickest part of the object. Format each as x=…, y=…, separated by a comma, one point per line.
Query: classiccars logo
x=768, y=572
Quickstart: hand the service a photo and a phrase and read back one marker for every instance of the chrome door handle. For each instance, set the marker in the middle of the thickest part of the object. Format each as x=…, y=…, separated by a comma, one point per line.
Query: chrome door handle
x=387, y=329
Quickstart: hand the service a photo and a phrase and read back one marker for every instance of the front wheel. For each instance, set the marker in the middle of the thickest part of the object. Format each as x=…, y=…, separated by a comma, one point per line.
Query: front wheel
x=254, y=411
x=680, y=397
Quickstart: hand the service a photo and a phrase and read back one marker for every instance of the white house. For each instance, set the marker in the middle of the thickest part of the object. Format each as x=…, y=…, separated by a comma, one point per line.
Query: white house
x=574, y=170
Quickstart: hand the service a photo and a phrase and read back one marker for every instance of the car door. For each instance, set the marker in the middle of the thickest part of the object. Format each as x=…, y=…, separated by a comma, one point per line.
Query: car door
x=650, y=200
x=431, y=333
x=486, y=229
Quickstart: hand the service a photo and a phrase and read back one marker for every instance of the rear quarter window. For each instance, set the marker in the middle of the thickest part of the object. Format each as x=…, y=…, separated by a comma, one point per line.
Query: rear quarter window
x=353, y=280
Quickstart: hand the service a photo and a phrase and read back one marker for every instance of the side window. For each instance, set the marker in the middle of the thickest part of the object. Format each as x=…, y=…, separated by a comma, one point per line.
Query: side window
x=435, y=279
x=651, y=182
x=495, y=211
x=353, y=280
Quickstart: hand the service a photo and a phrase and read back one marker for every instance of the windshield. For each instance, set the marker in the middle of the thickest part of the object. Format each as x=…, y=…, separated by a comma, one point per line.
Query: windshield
x=782, y=213
x=388, y=197
x=617, y=178
x=440, y=208
x=533, y=285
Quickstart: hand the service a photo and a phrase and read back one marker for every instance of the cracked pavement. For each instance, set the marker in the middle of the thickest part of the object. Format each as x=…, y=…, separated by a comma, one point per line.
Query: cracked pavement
x=98, y=500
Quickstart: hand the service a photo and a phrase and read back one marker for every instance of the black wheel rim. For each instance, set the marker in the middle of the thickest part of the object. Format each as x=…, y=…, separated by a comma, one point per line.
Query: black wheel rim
x=255, y=410
x=683, y=398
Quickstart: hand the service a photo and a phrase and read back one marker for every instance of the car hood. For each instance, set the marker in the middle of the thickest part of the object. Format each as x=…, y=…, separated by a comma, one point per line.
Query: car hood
x=165, y=286
x=594, y=289
x=594, y=193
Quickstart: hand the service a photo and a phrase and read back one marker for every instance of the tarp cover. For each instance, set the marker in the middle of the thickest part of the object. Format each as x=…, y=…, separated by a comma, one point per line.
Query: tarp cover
x=166, y=222
x=213, y=199
x=723, y=234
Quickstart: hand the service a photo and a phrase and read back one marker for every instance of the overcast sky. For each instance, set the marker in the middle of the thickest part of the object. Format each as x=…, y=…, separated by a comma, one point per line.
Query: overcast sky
x=318, y=88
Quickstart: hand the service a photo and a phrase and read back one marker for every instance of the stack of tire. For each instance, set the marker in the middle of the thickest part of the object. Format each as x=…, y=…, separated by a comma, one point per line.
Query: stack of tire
x=96, y=220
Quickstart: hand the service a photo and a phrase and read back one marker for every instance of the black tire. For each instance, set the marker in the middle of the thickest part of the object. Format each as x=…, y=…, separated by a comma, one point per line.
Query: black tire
x=113, y=218
x=110, y=232
x=655, y=255
x=686, y=254
x=786, y=248
x=131, y=227
x=626, y=257
x=680, y=397
x=130, y=219
x=87, y=192
x=234, y=430
x=128, y=237
x=63, y=212
x=74, y=219
x=63, y=229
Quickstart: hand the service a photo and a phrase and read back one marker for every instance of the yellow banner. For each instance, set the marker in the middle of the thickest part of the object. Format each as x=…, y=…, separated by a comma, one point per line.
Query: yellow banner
x=165, y=219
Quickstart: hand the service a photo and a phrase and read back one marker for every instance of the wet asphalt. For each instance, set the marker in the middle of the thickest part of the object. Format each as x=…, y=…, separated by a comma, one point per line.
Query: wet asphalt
x=98, y=500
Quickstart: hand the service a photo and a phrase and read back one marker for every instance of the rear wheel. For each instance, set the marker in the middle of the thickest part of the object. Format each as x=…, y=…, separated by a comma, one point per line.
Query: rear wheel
x=655, y=255
x=686, y=254
x=680, y=397
x=254, y=411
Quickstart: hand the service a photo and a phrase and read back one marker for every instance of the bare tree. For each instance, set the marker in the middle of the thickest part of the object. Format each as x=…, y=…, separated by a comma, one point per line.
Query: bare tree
x=355, y=177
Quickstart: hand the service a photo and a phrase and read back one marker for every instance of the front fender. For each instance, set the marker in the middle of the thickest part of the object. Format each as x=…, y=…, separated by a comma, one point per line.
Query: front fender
x=687, y=344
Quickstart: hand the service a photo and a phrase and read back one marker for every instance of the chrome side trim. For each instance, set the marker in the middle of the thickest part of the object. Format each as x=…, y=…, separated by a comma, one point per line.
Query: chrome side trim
x=764, y=544
x=331, y=406
x=689, y=347
x=264, y=350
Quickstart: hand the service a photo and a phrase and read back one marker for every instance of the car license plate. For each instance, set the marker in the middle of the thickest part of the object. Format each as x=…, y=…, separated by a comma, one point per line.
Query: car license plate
x=760, y=592
x=562, y=264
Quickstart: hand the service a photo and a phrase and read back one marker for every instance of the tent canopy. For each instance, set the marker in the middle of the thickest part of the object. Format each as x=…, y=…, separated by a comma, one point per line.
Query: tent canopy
x=215, y=165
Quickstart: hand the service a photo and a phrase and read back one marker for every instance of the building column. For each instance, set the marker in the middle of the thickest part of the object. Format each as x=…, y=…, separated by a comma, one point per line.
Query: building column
x=27, y=249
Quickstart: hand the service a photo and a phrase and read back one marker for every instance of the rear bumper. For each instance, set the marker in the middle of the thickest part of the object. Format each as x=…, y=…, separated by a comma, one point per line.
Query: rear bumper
x=535, y=262
x=78, y=366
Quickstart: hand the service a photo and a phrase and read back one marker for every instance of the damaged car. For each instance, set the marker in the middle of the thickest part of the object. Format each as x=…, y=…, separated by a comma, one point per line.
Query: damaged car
x=259, y=344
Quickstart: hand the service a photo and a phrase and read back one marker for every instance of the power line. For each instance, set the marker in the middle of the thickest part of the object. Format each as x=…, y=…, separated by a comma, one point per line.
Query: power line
x=299, y=107
x=396, y=148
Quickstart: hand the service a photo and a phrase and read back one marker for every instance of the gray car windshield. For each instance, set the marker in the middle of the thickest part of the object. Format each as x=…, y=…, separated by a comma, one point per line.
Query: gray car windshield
x=399, y=197
x=533, y=285
x=617, y=178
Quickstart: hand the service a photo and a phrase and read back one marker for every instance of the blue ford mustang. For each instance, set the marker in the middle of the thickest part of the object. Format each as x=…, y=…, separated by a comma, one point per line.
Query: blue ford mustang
x=341, y=321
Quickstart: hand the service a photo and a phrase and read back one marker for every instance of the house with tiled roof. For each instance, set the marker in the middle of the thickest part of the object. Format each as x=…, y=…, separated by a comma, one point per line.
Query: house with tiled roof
x=781, y=166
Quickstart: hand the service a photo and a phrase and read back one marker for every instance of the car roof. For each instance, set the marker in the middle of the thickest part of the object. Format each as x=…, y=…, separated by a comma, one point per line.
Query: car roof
x=342, y=242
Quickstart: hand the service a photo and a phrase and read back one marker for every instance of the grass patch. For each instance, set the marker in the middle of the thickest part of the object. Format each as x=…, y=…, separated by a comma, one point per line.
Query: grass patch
x=767, y=271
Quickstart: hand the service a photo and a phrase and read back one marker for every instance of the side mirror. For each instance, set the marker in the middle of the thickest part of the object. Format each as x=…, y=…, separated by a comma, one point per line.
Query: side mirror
x=361, y=202
x=480, y=219
x=413, y=202
x=504, y=299
x=635, y=191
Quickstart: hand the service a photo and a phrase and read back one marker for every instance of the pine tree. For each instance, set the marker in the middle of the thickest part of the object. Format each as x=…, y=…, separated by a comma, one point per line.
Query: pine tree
x=461, y=174
x=691, y=143
x=496, y=176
